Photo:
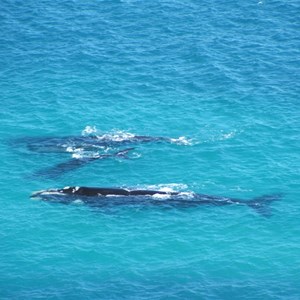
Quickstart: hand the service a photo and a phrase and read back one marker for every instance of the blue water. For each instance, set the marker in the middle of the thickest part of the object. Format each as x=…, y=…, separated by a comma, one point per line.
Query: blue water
x=224, y=76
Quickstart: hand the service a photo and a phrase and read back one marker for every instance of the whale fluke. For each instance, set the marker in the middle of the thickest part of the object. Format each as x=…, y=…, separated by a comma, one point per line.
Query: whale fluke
x=262, y=204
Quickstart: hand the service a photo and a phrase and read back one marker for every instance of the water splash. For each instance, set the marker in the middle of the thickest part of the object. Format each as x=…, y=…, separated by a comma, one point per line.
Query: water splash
x=117, y=136
x=89, y=130
x=168, y=188
x=182, y=140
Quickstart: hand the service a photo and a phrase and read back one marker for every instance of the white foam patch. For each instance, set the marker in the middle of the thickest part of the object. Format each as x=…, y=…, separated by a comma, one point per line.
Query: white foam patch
x=220, y=136
x=77, y=152
x=168, y=188
x=88, y=130
x=136, y=155
x=77, y=156
x=240, y=189
x=77, y=202
x=80, y=154
x=50, y=193
x=116, y=136
x=70, y=149
x=182, y=140
x=161, y=196
x=187, y=195
x=227, y=136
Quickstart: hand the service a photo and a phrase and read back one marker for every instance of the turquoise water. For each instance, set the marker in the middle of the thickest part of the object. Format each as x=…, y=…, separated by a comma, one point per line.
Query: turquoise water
x=222, y=76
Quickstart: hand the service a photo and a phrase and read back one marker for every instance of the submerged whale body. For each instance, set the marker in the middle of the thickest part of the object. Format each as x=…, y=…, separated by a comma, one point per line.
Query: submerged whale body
x=86, y=143
x=76, y=163
x=102, y=196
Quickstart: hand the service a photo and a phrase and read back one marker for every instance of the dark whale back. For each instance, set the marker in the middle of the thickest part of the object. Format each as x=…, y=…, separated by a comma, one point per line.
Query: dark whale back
x=95, y=195
x=94, y=191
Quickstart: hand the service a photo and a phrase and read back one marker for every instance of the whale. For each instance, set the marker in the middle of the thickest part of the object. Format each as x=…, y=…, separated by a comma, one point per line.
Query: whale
x=101, y=196
x=69, y=144
x=76, y=163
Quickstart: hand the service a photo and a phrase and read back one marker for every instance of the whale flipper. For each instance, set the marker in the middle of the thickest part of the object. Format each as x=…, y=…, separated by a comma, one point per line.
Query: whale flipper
x=123, y=153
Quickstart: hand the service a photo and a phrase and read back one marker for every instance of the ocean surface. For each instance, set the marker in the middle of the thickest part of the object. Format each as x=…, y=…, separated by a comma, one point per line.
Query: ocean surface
x=221, y=79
